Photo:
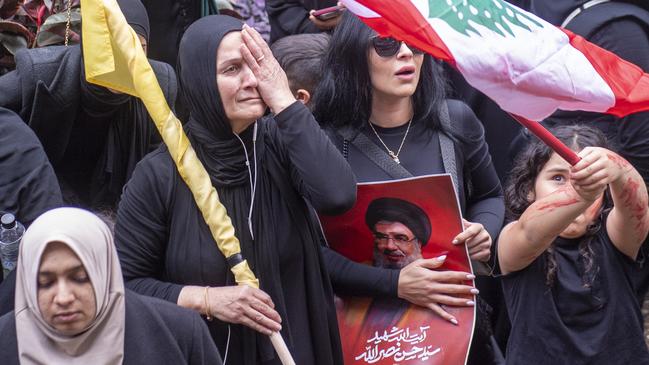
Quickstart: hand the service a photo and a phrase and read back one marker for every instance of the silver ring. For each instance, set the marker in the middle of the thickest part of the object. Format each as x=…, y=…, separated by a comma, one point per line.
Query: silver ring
x=260, y=58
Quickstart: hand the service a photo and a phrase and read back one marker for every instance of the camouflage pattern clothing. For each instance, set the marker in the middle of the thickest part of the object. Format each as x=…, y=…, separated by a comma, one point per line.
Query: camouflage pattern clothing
x=35, y=23
x=253, y=12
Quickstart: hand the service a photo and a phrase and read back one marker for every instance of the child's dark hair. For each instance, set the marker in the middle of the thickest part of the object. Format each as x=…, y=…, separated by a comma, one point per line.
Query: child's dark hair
x=526, y=169
x=300, y=56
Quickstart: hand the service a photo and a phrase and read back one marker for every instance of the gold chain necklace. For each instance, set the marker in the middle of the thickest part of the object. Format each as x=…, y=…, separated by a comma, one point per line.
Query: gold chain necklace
x=395, y=156
x=67, y=23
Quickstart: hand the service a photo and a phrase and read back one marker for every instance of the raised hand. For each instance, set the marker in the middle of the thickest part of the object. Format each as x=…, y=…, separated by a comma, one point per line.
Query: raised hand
x=272, y=82
x=597, y=168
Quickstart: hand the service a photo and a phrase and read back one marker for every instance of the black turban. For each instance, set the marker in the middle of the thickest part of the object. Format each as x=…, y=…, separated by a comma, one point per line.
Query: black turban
x=399, y=210
x=136, y=16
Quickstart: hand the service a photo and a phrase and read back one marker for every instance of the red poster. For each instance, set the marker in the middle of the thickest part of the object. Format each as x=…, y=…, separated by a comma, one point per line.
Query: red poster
x=394, y=223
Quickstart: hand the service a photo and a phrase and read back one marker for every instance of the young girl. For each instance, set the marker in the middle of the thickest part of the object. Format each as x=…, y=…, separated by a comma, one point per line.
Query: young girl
x=569, y=254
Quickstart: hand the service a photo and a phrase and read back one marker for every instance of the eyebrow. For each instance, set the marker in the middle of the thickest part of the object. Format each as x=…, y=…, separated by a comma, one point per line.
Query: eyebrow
x=72, y=269
x=558, y=169
x=229, y=60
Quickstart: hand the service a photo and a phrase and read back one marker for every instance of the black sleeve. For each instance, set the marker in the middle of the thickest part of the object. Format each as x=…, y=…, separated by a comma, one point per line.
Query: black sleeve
x=352, y=278
x=628, y=39
x=288, y=17
x=8, y=293
x=141, y=228
x=318, y=171
x=11, y=91
x=28, y=185
x=485, y=204
x=203, y=350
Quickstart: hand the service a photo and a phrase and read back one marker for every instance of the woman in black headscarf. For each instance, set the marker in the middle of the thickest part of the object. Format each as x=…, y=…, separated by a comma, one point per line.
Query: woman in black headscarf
x=92, y=136
x=263, y=168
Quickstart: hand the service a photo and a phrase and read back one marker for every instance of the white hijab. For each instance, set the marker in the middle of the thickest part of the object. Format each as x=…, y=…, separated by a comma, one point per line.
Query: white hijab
x=103, y=341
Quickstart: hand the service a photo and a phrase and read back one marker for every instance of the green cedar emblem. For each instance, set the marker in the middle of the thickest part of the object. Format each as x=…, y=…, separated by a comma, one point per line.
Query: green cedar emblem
x=488, y=13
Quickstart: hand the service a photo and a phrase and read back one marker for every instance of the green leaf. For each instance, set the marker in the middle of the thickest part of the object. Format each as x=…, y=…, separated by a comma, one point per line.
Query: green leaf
x=488, y=13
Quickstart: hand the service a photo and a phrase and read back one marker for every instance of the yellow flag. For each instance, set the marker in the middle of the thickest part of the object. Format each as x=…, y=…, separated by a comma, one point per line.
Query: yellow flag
x=114, y=58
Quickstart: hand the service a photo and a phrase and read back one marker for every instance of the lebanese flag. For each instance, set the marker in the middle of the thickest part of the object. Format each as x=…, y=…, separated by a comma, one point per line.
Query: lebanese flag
x=528, y=66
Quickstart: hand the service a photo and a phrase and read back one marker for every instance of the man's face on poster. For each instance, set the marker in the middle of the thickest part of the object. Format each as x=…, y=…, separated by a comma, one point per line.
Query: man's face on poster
x=395, y=246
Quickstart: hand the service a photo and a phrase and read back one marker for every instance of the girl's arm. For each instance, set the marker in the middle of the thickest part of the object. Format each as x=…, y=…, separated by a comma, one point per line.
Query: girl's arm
x=522, y=241
x=628, y=222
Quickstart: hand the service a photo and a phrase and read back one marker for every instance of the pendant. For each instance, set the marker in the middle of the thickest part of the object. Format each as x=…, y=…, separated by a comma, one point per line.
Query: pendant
x=394, y=157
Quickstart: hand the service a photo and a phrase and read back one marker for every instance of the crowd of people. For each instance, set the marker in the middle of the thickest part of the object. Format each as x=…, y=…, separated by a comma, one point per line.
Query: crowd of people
x=287, y=113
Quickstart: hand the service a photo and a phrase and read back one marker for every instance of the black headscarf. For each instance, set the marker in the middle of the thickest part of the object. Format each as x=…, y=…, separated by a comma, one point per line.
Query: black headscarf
x=208, y=125
x=402, y=211
x=224, y=158
x=552, y=11
x=136, y=16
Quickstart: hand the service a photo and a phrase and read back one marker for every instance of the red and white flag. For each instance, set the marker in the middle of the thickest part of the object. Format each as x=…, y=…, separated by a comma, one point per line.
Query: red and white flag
x=528, y=66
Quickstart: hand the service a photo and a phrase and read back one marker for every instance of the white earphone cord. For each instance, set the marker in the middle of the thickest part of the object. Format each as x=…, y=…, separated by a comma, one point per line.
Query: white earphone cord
x=253, y=185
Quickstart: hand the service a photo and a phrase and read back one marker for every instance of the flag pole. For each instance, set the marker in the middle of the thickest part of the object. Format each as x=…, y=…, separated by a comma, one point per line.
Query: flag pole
x=548, y=138
x=114, y=58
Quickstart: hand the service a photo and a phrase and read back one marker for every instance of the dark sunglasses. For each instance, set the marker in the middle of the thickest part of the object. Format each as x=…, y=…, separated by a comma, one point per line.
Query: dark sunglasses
x=388, y=46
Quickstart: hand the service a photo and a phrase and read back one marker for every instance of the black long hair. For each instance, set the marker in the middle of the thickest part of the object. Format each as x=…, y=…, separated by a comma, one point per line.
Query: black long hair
x=344, y=94
x=526, y=169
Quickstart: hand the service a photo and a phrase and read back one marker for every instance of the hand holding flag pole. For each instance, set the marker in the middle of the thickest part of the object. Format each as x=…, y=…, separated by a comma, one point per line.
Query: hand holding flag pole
x=113, y=57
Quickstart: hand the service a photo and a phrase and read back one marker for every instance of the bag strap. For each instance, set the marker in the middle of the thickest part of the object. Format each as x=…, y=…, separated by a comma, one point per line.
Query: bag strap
x=580, y=9
x=373, y=152
x=590, y=17
x=447, y=147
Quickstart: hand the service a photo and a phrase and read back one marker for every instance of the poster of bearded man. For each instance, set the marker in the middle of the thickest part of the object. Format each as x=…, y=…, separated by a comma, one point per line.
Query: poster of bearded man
x=393, y=224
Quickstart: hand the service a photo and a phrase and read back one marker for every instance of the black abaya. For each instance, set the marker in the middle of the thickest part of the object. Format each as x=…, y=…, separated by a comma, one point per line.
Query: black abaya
x=164, y=243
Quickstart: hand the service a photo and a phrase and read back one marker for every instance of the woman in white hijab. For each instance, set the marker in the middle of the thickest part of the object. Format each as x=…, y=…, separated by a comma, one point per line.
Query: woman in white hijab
x=71, y=306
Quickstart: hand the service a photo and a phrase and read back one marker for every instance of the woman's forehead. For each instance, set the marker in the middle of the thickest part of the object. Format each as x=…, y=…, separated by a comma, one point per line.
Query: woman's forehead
x=58, y=255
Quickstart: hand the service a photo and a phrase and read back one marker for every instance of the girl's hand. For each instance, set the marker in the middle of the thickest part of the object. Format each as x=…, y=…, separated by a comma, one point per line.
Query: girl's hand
x=477, y=239
x=244, y=305
x=421, y=284
x=597, y=168
x=272, y=82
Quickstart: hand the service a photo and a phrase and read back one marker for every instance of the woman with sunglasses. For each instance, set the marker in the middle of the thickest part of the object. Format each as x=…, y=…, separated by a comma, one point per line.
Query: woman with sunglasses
x=385, y=91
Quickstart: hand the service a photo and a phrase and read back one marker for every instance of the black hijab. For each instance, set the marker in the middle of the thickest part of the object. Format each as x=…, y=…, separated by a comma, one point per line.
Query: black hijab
x=208, y=124
x=552, y=11
x=136, y=16
x=278, y=208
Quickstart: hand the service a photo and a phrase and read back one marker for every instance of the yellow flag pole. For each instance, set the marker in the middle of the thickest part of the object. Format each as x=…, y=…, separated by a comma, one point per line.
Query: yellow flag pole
x=113, y=57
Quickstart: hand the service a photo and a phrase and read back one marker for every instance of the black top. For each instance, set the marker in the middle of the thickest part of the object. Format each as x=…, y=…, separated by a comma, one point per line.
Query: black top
x=572, y=324
x=421, y=155
x=287, y=17
x=28, y=186
x=169, y=19
x=163, y=242
x=156, y=332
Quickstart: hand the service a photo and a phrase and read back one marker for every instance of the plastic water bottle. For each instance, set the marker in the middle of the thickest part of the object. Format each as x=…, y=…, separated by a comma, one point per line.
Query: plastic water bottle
x=11, y=232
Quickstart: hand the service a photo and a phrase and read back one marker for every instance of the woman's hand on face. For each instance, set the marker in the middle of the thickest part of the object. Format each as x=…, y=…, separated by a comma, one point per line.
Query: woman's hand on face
x=597, y=168
x=477, y=239
x=272, y=82
x=421, y=284
x=244, y=305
